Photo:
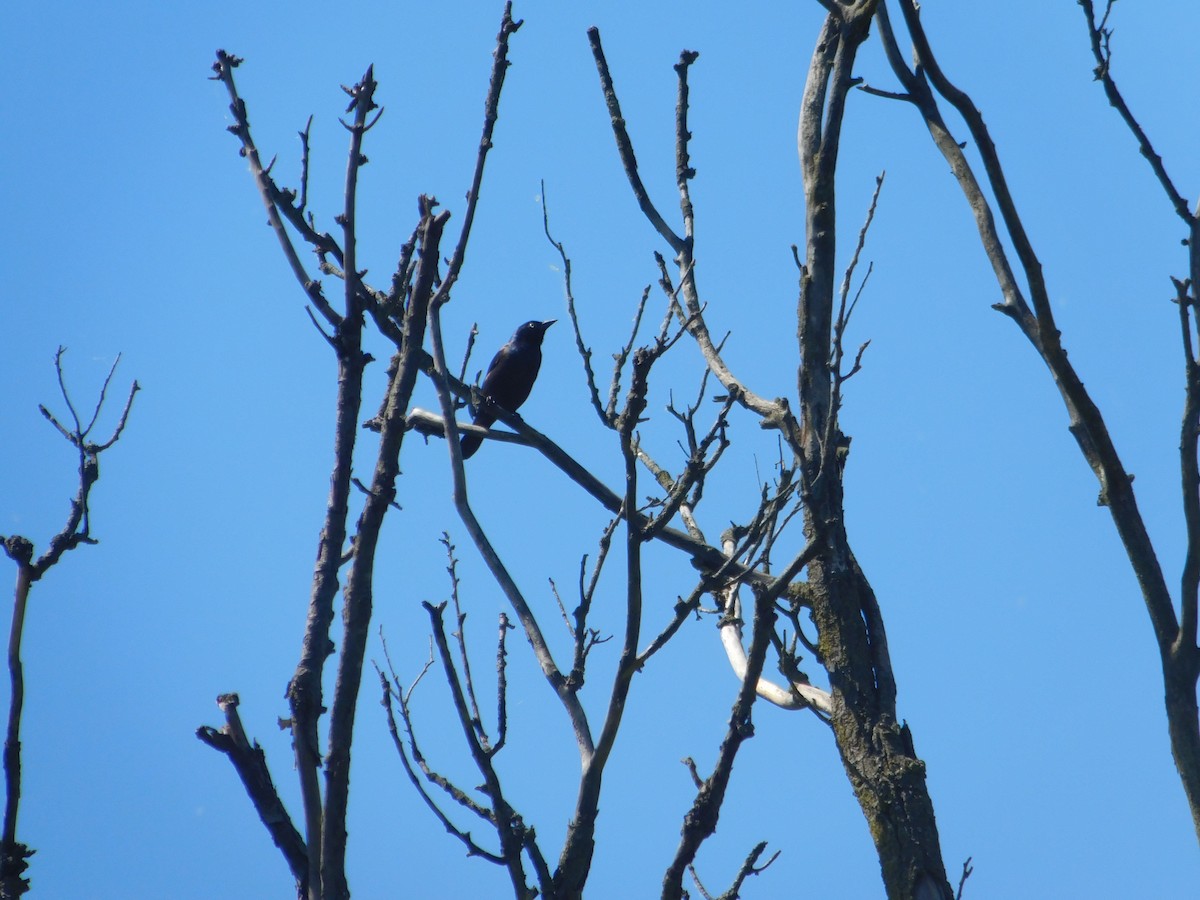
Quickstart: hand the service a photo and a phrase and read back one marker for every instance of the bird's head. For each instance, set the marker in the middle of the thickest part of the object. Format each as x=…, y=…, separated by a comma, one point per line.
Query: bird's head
x=532, y=332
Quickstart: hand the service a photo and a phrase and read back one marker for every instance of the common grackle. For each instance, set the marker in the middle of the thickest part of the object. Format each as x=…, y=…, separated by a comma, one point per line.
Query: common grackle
x=509, y=378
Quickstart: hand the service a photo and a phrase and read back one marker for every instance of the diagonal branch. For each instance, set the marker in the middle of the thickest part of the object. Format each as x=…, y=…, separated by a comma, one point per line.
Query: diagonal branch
x=1087, y=424
x=1102, y=52
x=774, y=413
x=550, y=669
x=276, y=200
x=508, y=823
x=391, y=698
x=703, y=555
x=250, y=763
x=491, y=113
x=1100, y=37
x=625, y=147
x=700, y=821
x=1179, y=656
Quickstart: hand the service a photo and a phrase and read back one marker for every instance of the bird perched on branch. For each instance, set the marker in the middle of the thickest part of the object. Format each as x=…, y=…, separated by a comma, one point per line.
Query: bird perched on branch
x=509, y=378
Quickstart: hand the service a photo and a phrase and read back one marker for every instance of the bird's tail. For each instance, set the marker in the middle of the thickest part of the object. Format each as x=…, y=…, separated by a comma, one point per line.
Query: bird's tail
x=470, y=443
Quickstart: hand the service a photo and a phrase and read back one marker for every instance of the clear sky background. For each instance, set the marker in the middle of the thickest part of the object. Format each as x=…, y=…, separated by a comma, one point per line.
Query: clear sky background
x=1024, y=656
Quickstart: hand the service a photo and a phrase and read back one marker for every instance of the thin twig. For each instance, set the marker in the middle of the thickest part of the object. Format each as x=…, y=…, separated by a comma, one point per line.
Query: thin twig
x=473, y=849
x=1100, y=37
x=491, y=112
x=625, y=146
x=279, y=203
x=967, y=869
x=460, y=638
x=585, y=352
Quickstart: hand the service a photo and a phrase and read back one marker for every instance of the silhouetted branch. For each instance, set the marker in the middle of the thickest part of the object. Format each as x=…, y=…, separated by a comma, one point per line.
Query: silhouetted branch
x=1189, y=450
x=1185, y=300
x=575, y=861
x=967, y=869
x=586, y=638
x=250, y=763
x=280, y=204
x=1181, y=657
x=398, y=696
x=510, y=827
x=491, y=112
x=698, y=465
x=401, y=316
x=683, y=609
x=1100, y=37
x=619, y=360
x=701, y=820
x=358, y=594
x=625, y=146
x=703, y=555
x=529, y=624
x=502, y=684
x=1181, y=660
x=585, y=353
x=77, y=530
x=774, y=413
x=749, y=867
x=683, y=169
x=460, y=639
x=846, y=311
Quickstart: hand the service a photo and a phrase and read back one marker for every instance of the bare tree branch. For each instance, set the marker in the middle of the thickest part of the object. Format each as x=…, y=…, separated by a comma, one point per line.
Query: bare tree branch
x=460, y=639
x=390, y=698
x=877, y=752
x=967, y=869
x=1101, y=37
x=701, y=820
x=1185, y=299
x=585, y=353
x=279, y=203
x=359, y=592
x=250, y=762
x=575, y=860
x=509, y=826
x=586, y=638
x=533, y=632
x=625, y=146
x=413, y=286
x=1181, y=660
x=77, y=530
x=491, y=107
x=703, y=555
x=749, y=867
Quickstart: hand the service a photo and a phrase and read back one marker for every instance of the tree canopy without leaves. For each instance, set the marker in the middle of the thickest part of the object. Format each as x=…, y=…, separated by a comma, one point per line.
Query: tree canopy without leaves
x=679, y=501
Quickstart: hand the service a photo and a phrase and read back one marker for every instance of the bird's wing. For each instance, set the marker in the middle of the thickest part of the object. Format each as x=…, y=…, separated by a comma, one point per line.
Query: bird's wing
x=495, y=367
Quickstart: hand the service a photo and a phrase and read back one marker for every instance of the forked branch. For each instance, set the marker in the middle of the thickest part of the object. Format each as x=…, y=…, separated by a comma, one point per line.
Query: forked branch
x=77, y=530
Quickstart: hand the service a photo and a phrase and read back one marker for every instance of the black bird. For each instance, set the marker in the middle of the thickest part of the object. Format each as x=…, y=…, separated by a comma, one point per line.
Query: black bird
x=509, y=378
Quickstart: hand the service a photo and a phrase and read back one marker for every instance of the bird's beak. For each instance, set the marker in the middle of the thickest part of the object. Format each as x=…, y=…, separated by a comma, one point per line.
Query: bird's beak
x=546, y=325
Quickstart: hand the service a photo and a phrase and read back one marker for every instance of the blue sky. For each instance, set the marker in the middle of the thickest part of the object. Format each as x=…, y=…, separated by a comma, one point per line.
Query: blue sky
x=1025, y=660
